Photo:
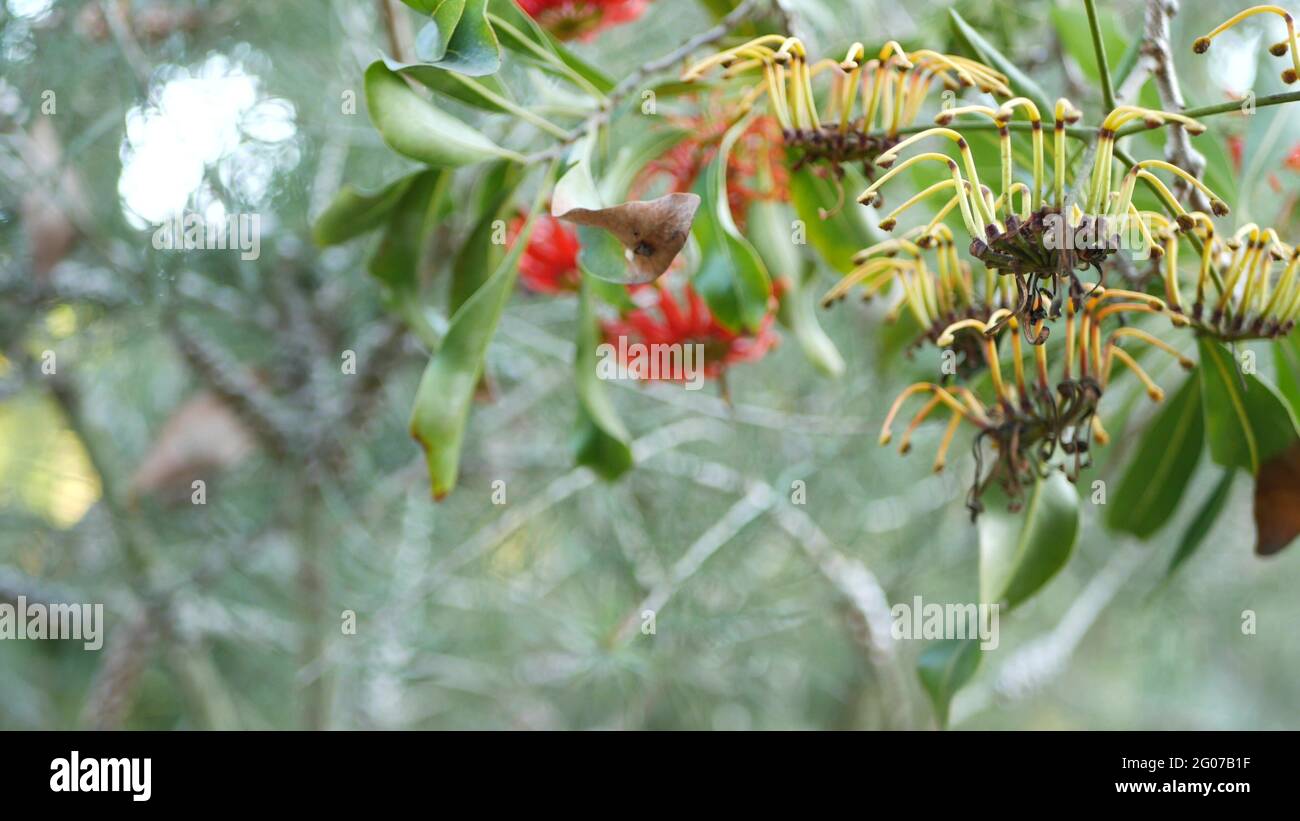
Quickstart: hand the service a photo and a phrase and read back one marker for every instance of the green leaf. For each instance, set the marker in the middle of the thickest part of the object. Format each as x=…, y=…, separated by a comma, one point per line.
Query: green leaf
x=446, y=390
x=770, y=224
x=844, y=232
x=432, y=42
x=472, y=47
x=632, y=157
x=1166, y=458
x=944, y=668
x=1200, y=526
x=988, y=53
x=487, y=93
x=396, y=262
x=1021, y=552
x=1286, y=354
x=353, y=212
x=601, y=442
x=1246, y=420
x=416, y=129
x=732, y=278
x=479, y=256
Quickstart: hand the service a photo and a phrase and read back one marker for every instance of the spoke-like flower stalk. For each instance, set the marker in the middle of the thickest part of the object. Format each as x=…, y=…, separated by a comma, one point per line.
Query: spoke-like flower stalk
x=1290, y=44
x=868, y=103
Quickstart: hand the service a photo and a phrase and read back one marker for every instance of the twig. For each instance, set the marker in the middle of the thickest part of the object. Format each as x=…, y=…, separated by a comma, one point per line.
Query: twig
x=1178, y=144
x=1099, y=47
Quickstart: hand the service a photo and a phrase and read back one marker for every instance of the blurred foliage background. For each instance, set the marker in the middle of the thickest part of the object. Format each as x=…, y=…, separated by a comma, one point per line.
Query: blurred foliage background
x=471, y=614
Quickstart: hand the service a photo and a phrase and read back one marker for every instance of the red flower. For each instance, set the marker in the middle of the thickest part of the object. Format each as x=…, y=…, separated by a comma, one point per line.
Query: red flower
x=1293, y=160
x=667, y=321
x=755, y=170
x=1236, y=148
x=582, y=19
x=549, y=264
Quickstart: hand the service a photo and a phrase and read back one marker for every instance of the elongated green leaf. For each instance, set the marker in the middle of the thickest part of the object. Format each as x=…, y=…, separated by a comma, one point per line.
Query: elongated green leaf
x=414, y=128
x=732, y=278
x=771, y=226
x=601, y=441
x=353, y=212
x=944, y=668
x=396, y=262
x=1286, y=354
x=988, y=53
x=1200, y=526
x=844, y=232
x=1163, y=466
x=479, y=256
x=1246, y=421
x=630, y=158
x=1021, y=552
x=446, y=391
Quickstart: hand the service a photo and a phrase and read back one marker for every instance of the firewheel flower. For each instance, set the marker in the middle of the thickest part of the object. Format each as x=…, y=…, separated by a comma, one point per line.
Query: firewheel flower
x=582, y=19
x=935, y=296
x=549, y=264
x=1247, y=284
x=1290, y=44
x=1033, y=427
x=686, y=320
x=1031, y=232
x=891, y=89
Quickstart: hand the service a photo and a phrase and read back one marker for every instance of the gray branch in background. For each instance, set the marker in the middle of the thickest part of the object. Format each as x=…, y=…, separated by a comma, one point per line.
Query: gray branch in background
x=1160, y=62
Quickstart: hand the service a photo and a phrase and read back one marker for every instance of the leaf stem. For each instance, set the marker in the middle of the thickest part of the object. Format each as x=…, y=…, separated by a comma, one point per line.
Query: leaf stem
x=1222, y=108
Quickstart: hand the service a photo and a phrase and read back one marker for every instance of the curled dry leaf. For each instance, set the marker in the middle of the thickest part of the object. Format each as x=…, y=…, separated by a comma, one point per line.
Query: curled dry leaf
x=652, y=231
x=1277, y=502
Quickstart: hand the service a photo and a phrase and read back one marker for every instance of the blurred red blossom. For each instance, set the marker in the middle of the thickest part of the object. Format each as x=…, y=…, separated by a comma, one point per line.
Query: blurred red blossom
x=582, y=19
x=755, y=168
x=549, y=264
x=666, y=319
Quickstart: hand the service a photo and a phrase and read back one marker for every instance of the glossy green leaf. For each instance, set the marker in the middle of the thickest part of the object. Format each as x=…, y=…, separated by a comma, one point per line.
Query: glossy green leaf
x=434, y=38
x=1246, y=420
x=1194, y=536
x=446, y=391
x=1021, y=552
x=601, y=441
x=396, y=261
x=844, y=231
x=1162, y=467
x=731, y=278
x=989, y=54
x=771, y=226
x=353, y=212
x=1286, y=355
x=415, y=128
x=472, y=48
x=944, y=668
x=479, y=255
x=487, y=93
